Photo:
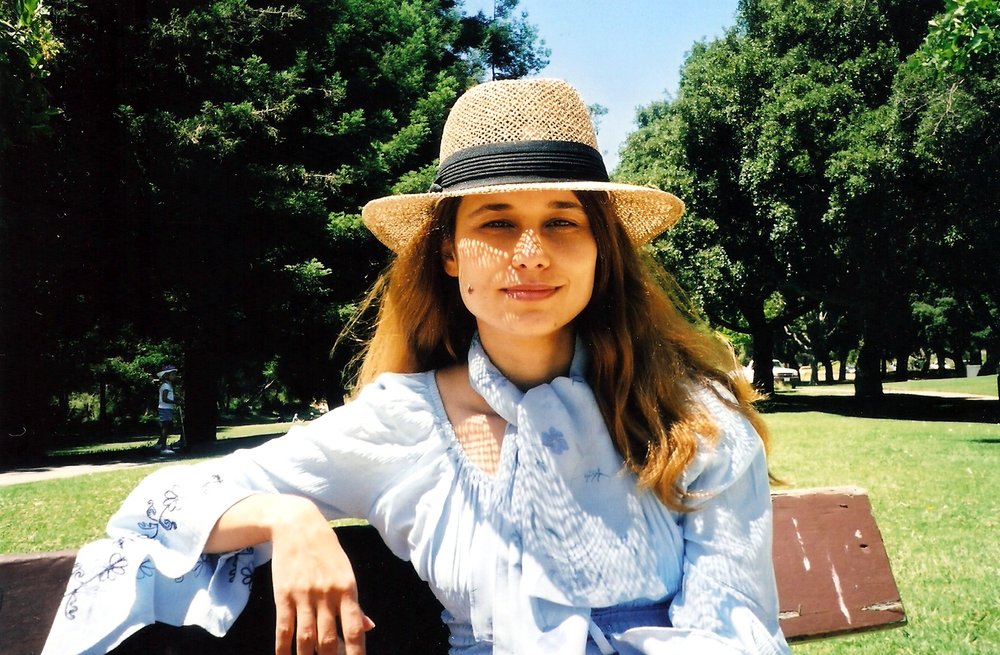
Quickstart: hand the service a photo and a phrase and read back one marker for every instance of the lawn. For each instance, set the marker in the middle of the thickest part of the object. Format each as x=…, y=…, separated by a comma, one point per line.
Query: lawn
x=932, y=478
x=934, y=490
x=985, y=385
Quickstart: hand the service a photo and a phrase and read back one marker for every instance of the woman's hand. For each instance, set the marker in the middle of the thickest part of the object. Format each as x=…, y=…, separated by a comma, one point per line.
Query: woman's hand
x=312, y=577
x=313, y=585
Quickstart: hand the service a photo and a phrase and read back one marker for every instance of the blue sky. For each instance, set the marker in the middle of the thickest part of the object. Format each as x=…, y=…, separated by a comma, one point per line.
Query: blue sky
x=622, y=54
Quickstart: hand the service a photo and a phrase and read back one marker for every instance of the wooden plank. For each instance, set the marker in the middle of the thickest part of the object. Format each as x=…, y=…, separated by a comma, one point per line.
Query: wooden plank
x=833, y=572
x=833, y=578
x=31, y=588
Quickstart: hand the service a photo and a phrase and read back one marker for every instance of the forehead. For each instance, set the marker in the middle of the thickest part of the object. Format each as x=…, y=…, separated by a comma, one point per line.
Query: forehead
x=519, y=201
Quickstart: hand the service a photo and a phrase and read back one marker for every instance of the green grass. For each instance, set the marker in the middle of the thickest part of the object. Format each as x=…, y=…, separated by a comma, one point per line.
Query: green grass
x=65, y=513
x=977, y=386
x=985, y=385
x=934, y=490
x=933, y=484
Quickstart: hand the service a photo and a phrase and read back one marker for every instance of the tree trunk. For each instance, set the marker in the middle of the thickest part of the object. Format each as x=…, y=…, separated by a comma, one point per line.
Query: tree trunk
x=828, y=367
x=902, y=364
x=867, y=381
x=959, y=360
x=201, y=392
x=992, y=363
x=763, y=351
x=102, y=402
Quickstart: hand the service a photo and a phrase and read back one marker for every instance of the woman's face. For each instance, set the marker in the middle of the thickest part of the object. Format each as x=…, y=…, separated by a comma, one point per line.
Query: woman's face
x=524, y=260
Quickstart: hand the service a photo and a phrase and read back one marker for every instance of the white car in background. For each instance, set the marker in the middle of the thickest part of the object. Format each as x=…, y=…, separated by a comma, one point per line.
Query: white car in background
x=781, y=373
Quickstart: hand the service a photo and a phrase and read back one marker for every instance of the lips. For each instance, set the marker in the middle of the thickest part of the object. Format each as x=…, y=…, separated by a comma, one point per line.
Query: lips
x=530, y=291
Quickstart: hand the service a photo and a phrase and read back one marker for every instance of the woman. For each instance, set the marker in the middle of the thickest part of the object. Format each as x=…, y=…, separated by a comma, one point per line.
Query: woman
x=571, y=464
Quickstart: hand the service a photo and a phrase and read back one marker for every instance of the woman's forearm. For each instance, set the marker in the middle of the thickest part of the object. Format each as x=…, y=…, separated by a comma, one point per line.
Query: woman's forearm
x=255, y=519
x=312, y=579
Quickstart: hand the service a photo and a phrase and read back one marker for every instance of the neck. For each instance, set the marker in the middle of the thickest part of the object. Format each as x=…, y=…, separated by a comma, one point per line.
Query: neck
x=530, y=361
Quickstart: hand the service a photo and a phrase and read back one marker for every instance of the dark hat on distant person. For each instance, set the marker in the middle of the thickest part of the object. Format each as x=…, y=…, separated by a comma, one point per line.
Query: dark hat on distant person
x=169, y=368
x=517, y=135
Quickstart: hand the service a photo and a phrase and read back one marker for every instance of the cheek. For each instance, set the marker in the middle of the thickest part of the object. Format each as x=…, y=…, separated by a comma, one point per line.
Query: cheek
x=475, y=258
x=586, y=273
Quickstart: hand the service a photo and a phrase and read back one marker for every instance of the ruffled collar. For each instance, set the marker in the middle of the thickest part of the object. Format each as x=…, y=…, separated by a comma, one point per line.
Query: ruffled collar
x=501, y=394
x=569, y=516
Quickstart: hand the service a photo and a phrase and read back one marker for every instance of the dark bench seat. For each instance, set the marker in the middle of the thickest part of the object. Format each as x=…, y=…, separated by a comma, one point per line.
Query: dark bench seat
x=832, y=569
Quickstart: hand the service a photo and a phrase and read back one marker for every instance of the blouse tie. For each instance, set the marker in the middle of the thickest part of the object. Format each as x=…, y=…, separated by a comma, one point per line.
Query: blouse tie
x=568, y=517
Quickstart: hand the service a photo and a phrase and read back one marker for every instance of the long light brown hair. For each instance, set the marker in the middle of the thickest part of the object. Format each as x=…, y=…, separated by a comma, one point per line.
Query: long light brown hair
x=649, y=350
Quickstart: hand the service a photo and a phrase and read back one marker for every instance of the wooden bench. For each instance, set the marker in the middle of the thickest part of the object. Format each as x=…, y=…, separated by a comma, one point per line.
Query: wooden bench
x=833, y=575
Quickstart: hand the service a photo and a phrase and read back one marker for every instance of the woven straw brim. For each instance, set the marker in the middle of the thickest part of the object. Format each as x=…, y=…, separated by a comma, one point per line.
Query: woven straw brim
x=644, y=211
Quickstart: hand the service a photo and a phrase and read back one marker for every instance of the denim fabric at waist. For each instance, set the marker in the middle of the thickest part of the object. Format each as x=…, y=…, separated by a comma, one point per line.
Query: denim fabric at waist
x=618, y=619
x=611, y=620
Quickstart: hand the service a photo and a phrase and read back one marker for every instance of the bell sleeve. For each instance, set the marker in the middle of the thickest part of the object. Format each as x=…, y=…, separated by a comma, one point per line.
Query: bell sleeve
x=152, y=568
x=728, y=587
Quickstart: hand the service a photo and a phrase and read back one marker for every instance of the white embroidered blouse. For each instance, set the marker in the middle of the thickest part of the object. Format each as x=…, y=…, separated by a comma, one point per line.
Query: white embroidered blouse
x=558, y=553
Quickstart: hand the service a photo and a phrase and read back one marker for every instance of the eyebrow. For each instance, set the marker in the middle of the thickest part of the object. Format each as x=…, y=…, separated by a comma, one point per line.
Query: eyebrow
x=502, y=207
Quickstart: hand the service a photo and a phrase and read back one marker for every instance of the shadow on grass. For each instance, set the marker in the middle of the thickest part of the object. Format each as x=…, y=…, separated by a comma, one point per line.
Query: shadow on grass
x=141, y=451
x=909, y=406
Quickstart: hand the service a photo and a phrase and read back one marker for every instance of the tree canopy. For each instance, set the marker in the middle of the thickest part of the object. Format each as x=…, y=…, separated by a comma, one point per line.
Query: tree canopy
x=199, y=197
x=813, y=142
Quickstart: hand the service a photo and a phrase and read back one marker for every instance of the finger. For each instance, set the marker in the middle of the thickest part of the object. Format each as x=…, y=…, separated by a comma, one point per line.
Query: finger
x=284, y=629
x=305, y=629
x=353, y=625
x=326, y=626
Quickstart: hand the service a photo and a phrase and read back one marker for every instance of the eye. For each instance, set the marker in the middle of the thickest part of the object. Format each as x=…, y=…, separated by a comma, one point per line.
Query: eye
x=561, y=223
x=498, y=224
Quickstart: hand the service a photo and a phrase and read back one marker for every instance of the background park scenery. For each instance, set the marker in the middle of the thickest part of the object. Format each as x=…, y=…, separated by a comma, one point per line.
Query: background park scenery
x=181, y=182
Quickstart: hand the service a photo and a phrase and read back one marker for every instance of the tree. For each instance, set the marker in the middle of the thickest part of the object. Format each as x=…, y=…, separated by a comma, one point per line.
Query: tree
x=947, y=96
x=204, y=184
x=504, y=44
x=761, y=120
x=824, y=335
x=28, y=49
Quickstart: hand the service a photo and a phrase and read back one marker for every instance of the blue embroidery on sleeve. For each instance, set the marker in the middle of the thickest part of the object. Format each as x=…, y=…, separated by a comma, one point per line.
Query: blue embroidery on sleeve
x=246, y=571
x=158, y=519
x=146, y=569
x=116, y=567
x=117, y=563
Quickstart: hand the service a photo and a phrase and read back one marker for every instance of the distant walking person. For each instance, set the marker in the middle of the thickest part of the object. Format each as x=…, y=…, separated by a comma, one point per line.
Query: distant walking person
x=168, y=402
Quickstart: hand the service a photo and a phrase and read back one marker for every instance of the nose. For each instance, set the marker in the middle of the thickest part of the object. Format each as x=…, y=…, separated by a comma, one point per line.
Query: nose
x=528, y=251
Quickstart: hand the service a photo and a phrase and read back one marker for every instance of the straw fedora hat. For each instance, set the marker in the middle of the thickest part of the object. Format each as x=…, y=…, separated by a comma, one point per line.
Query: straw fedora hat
x=516, y=135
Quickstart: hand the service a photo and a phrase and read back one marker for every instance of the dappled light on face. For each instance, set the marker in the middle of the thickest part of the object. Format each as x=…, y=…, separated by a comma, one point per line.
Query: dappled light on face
x=528, y=251
x=485, y=271
x=478, y=253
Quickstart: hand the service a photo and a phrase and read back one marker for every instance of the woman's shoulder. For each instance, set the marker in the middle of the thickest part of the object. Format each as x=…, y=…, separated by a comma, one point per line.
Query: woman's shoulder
x=404, y=386
x=735, y=443
x=394, y=406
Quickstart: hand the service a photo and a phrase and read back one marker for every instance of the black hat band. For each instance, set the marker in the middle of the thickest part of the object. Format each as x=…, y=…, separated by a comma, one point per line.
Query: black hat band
x=520, y=162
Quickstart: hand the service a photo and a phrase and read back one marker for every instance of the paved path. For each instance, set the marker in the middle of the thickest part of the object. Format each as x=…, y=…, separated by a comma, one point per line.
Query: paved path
x=20, y=476
x=35, y=474
x=52, y=469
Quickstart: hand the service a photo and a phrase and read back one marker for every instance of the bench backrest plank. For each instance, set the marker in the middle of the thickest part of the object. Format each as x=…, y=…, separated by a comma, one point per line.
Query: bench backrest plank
x=832, y=570
x=31, y=589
